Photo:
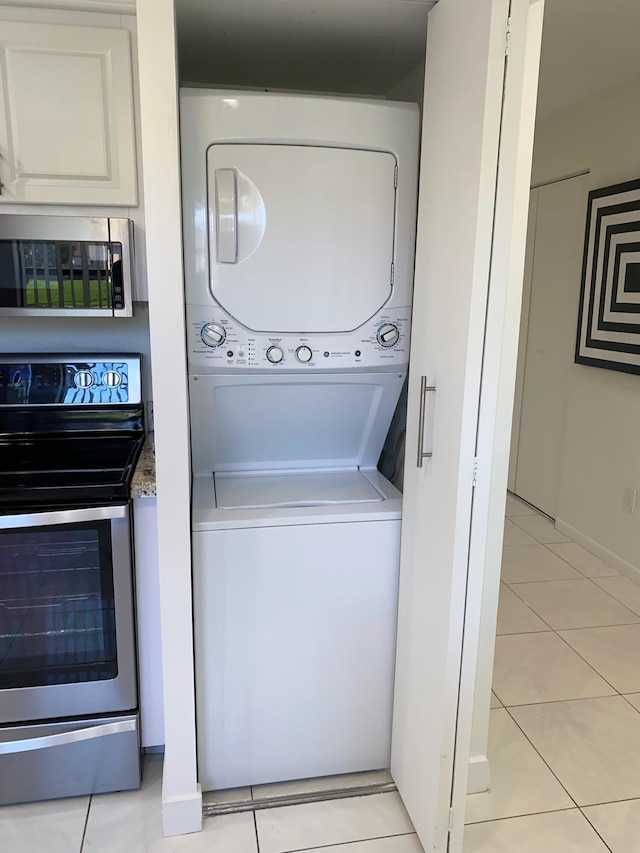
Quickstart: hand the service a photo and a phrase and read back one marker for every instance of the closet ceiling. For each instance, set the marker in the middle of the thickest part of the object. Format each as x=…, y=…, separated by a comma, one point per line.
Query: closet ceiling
x=347, y=46
x=368, y=46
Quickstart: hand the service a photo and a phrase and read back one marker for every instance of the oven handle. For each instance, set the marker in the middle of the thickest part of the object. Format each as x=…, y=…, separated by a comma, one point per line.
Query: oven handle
x=66, y=516
x=30, y=744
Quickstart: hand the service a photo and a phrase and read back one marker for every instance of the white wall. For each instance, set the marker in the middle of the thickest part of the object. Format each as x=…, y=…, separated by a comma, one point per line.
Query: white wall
x=181, y=794
x=600, y=453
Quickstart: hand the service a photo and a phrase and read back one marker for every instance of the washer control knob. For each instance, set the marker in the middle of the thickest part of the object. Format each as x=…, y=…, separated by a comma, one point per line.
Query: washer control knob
x=304, y=354
x=388, y=335
x=111, y=379
x=275, y=355
x=212, y=334
x=83, y=379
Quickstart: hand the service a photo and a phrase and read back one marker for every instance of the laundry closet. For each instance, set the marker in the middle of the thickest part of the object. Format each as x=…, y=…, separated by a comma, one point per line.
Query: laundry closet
x=328, y=609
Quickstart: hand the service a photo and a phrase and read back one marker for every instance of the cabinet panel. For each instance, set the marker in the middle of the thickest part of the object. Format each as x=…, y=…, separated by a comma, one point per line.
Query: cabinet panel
x=66, y=118
x=145, y=514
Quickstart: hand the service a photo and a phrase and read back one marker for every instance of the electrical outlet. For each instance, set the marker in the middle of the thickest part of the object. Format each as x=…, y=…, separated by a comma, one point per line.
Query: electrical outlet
x=149, y=423
x=630, y=496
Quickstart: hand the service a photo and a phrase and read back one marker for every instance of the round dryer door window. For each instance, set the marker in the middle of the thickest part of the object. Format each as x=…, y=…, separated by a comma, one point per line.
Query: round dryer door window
x=301, y=237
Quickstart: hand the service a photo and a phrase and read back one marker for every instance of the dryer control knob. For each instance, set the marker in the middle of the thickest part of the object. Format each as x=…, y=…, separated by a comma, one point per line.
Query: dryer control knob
x=212, y=334
x=388, y=335
x=304, y=354
x=275, y=355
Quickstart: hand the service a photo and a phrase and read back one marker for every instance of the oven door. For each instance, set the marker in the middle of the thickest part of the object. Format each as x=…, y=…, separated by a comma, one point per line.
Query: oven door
x=66, y=614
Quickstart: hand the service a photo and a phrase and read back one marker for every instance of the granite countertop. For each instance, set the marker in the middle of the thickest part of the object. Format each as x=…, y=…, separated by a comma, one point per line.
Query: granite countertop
x=143, y=484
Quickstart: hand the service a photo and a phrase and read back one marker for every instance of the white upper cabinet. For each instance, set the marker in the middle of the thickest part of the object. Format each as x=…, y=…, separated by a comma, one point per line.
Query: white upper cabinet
x=66, y=115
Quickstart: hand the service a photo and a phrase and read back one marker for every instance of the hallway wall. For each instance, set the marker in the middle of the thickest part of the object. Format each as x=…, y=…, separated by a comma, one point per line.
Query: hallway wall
x=600, y=454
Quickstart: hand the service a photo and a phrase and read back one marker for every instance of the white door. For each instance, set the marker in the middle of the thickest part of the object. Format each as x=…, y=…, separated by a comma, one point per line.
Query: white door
x=301, y=237
x=468, y=248
x=550, y=342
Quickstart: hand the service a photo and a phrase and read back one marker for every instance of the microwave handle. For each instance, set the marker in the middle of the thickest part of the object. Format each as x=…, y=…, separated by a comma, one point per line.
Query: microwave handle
x=30, y=744
x=66, y=516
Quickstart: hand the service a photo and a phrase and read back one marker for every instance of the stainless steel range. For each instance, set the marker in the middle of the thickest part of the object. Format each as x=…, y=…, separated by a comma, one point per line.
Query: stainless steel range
x=71, y=431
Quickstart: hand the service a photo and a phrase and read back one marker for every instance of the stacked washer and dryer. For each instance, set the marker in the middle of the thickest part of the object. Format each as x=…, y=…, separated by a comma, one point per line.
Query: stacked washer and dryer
x=299, y=229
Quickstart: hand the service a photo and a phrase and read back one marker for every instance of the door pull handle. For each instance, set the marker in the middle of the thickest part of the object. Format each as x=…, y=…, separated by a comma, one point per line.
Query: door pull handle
x=422, y=453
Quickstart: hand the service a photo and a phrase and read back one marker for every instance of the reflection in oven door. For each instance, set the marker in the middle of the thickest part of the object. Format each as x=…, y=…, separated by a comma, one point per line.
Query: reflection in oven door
x=57, y=610
x=68, y=701
x=66, y=614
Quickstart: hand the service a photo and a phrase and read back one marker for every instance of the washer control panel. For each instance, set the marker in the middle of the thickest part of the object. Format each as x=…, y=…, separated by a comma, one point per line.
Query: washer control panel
x=217, y=341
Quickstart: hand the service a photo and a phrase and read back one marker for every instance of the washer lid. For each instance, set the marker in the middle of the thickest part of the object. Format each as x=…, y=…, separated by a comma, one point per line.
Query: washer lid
x=265, y=491
x=280, y=422
x=301, y=237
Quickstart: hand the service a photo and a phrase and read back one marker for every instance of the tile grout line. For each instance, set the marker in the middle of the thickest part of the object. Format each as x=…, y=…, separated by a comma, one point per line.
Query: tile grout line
x=568, y=644
x=634, y=621
x=344, y=843
x=516, y=816
x=531, y=609
x=255, y=825
x=595, y=829
x=542, y=758
x=86, y=823
x=559, y=701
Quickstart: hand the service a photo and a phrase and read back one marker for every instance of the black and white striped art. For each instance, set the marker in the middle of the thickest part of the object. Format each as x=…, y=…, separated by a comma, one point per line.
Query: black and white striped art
x=609, y=318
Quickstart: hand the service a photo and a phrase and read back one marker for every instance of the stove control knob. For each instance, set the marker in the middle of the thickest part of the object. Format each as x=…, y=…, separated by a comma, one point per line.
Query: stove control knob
x=388, y=335
x=83, y=379
x=213, y=335
x=304, y=354
x=275, y=355
x=111, y=379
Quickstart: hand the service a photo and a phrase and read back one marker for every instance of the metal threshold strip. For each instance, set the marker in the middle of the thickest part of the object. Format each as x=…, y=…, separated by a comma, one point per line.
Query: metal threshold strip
x=215, y=809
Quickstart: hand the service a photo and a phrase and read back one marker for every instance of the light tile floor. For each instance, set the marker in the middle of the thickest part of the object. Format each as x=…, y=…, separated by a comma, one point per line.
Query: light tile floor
x=130, y=822
x=564, y=746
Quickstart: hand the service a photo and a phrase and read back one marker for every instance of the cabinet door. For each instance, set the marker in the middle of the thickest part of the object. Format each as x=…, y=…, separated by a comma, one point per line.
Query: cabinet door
x=66, y=115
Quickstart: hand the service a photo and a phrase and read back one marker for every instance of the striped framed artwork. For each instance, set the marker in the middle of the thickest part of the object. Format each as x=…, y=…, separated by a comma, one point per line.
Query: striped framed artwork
x=609, y=315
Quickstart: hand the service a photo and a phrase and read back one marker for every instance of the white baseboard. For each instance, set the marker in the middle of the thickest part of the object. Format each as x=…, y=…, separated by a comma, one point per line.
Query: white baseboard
x=616, y=562
x=479, y=779
x=182, y=815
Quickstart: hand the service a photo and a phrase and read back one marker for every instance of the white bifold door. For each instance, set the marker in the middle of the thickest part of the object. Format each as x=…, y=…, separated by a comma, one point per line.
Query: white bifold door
x=479, y=108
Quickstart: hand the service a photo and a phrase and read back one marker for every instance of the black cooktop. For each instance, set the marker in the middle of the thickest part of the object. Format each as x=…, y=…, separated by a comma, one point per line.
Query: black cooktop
x=71, y=431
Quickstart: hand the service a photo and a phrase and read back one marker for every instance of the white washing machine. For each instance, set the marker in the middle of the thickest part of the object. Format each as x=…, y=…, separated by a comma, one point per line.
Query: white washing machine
x=299, y=228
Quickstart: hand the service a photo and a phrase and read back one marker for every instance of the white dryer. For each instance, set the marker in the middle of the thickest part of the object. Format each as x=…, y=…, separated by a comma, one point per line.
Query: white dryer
x=299, y=225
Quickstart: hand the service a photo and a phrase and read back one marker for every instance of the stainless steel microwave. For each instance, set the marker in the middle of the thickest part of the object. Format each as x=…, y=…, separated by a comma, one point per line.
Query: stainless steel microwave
x=72, y=266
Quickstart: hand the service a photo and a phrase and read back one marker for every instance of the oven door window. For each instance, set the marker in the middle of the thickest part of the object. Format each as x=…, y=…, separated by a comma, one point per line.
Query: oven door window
x=57, y=608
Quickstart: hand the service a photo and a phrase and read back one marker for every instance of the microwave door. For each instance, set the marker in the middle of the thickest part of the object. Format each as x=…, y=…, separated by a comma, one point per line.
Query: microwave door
x=72, y=268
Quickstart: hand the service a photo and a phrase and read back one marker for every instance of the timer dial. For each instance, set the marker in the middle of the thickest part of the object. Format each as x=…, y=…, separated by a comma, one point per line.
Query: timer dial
x=304, y=354
x=213, y=335
x=388, y=335
x=275, y=355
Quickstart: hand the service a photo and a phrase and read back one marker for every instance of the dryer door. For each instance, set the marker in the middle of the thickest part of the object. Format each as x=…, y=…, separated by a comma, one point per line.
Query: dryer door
x=301, y=238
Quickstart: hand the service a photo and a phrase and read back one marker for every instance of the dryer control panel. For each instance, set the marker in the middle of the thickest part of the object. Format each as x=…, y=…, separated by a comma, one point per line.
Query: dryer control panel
x=218, y=342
